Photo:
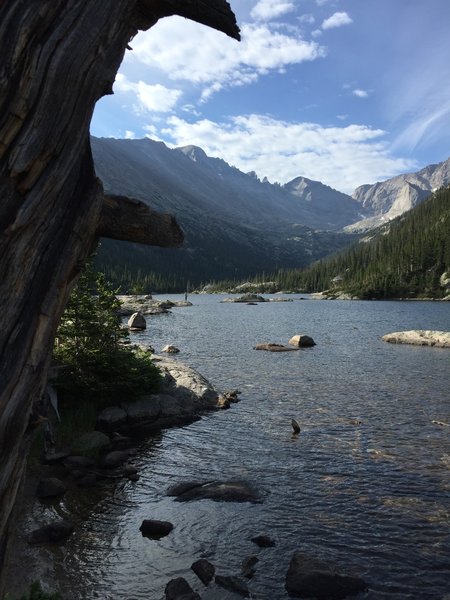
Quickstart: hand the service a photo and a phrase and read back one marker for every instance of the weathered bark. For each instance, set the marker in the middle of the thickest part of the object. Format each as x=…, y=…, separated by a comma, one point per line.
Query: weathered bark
x=57, y=59
x=123, y=218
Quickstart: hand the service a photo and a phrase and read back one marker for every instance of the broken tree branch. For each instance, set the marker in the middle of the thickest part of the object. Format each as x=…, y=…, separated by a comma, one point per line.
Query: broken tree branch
x=131, y=220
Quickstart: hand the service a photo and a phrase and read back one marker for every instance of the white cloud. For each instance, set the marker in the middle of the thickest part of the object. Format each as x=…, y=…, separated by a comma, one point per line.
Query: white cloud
x=338, y=19
x=426, y=127
x=264, y=10
x=191, y=109
x=154, y=98
x=360, y=93
x=342, y=157
x=307, y=18
x=209, y=59
x=130, y=135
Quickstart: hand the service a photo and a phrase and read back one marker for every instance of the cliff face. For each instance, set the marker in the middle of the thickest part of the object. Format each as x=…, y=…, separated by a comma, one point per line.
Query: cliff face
x=395, y=196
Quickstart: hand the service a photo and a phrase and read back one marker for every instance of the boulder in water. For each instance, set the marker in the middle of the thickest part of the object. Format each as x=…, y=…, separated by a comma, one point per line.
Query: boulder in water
x=263, y=541
x=155, y=529
x=137, y=322
x=51, y=533
x=309, y=577
x=204, y=570
x=247, y=566
x=179, y=589
x=302, y=341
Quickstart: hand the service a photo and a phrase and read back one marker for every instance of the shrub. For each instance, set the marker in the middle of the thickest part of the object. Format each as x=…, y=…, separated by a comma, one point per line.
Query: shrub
x=91, y=347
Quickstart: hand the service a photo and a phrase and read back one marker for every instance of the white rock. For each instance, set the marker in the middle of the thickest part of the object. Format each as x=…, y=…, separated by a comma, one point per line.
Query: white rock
x=137, y=321
x=419, y=337
x=170, y=349
x=184, y=383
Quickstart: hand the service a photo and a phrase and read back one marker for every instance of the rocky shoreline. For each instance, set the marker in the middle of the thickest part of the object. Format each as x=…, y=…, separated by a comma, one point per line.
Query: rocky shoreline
x=147, y=305
x=96, y=458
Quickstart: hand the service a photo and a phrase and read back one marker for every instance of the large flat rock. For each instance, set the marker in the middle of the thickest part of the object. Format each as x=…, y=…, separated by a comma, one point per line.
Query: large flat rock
x=186, y=384
x=183, y=396
x=419, y=337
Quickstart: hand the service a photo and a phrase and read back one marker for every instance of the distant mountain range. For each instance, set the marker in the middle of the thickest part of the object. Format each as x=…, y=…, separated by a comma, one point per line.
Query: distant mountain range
x=395, y=196
x=235, y=224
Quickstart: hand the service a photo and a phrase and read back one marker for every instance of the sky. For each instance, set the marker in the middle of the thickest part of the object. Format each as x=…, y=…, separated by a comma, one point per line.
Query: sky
x=346, y=92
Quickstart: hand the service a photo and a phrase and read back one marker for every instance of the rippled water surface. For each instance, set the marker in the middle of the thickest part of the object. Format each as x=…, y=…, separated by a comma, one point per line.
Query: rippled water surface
x=373, y=498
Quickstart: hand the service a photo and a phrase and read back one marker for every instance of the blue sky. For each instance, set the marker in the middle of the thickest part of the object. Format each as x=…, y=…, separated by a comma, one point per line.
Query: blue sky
x=346, y=92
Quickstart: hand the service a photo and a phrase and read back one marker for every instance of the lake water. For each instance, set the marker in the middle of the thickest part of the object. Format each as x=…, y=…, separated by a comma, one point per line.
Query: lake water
x=372, y=499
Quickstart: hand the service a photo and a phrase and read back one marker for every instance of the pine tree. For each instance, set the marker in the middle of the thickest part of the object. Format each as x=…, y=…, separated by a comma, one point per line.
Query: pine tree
x=91, y=345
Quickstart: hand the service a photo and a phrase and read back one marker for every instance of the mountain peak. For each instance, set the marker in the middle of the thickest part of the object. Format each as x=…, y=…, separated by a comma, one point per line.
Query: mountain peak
x=195, y=153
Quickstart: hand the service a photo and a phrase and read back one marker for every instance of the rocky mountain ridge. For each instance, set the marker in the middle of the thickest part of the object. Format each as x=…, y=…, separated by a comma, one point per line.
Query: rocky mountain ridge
x=391, y=198
x=237, y=224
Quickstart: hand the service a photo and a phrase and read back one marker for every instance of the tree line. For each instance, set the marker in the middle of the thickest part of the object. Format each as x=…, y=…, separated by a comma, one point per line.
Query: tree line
x=404, y=258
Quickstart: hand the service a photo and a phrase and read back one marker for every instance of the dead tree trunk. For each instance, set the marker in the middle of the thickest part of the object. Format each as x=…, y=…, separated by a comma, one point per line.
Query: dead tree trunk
x=57, y=59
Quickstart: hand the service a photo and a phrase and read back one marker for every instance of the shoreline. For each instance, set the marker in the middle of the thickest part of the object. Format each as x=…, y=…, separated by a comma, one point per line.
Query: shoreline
x=180, y=383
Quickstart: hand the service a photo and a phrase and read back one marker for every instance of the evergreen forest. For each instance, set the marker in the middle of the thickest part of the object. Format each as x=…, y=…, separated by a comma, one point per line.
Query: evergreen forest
x=403, y=259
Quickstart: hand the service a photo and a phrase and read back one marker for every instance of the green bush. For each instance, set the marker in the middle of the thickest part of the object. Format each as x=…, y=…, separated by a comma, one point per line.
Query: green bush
x=91, y=348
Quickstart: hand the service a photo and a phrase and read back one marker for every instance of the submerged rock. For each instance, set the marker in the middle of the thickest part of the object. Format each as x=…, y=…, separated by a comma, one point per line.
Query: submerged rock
x=219, y=491
x=179, y=589
x=204, y=570
x=155, y=529
x=233, y=584
x=309, y=577
x=271, y=347
x=419, y=337
x=263, y=541
x=247, y=566
x=51, y=533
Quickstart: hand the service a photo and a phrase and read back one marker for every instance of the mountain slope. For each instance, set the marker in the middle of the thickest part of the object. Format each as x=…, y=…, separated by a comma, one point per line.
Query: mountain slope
x=185, y=179
x=323, y=206
x=408, y=257
x=235, y=225
x=391, y=198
